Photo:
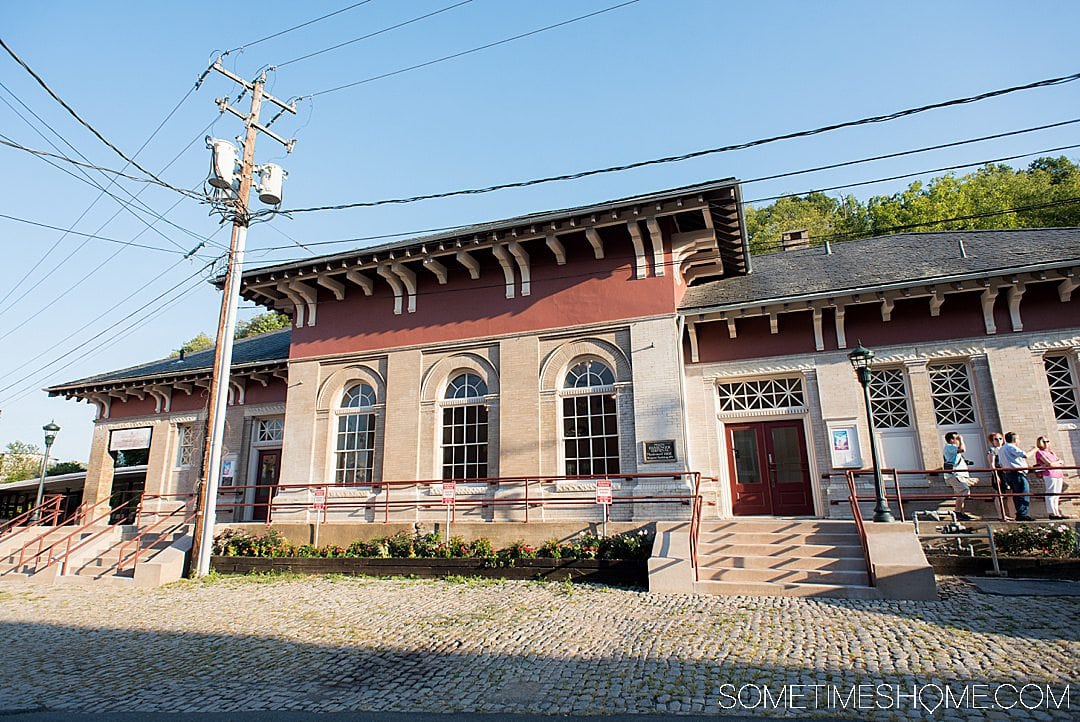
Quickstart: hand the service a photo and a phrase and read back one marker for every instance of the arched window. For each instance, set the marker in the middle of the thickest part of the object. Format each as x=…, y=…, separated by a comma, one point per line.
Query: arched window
x=356, y=435
x=465, y=428
x=590, y=420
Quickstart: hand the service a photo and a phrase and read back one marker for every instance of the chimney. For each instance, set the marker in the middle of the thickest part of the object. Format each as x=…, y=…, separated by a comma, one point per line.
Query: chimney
x=182, y=352
x=793, y=240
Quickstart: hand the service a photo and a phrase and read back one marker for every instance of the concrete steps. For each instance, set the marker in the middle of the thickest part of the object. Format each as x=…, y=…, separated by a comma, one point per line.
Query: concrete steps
x=782, y=558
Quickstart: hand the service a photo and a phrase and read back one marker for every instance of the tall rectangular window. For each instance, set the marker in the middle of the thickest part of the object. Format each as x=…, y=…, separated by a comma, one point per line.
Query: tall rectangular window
x=889, y=399
x=591, y=434
x=185, y=445
x=951, y=390
x=465, y=442
x=1063, y=389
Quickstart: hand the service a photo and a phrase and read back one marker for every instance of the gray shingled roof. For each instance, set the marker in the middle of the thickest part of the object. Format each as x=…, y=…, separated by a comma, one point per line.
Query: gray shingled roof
x=266, y=348
x=898, y=259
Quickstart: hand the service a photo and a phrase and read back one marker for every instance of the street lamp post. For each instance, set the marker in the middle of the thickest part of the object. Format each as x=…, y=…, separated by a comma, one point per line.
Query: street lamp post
x=862, y=360
x=51, y=430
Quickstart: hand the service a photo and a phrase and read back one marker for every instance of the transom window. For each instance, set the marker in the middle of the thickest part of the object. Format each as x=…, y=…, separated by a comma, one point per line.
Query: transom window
x=1063, y=388
x=950, y=388
x=355, y=448
x=465, y=429
x=889, y=399
x=589, y=374
x=185, y=445
x=590, y=421
x=269, y=430
x=762, y=395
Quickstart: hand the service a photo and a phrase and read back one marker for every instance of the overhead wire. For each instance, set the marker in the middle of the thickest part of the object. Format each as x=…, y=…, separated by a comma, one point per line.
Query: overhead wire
x=372, y=34
x=470, y=51
x=699, y=153
x=92, y=236
x=108, y=340
x=72, y=112
x=240, y=48
x=788, y=174
x=87, y=178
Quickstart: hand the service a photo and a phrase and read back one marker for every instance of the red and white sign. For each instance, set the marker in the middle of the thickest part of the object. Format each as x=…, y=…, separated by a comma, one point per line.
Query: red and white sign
x=320, y=500
x=603, y=491
x=449, y=492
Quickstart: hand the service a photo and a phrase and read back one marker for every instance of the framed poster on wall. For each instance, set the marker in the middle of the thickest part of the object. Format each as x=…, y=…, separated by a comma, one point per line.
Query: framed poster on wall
x=844, y=447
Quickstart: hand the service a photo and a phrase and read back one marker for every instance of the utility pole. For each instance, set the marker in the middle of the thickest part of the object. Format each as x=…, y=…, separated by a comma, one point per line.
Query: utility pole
x=210, y=478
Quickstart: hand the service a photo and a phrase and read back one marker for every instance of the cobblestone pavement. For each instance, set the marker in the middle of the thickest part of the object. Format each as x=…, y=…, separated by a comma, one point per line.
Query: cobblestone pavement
x=331, y=644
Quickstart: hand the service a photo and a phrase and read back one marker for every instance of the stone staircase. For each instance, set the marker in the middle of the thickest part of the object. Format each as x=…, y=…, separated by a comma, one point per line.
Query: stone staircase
x=96, y=556
x=782, y=558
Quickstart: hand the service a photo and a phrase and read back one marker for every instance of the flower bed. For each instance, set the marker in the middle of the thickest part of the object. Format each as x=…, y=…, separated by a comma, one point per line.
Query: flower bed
x=619, y=559
x=1037, y=540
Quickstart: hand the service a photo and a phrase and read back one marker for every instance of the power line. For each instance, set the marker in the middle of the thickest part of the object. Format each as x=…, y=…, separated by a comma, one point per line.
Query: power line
x=785, y=174
x=86, y=177
x=93, y=236
x=295, y=27
x=56, y=267
x=839, y=236
x=71, y=111
x=699, y=153
x=373, y=34
x=109, y=340
x=399, y=71
x=912, y=175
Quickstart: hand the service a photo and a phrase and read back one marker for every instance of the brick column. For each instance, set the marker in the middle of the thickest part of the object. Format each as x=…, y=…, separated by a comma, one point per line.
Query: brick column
x=99, y=473
x=400, y=443
x=658, y=409
x=300, y=459
x=922, y=408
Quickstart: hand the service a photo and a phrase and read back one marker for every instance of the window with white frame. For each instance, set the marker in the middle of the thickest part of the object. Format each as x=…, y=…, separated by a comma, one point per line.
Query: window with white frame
x=465, y=428
x=1064, y=394
x=762, y=395
x=590, y=420
x=355, y=448
x=185, y=445
x=951, y=390
x=889, y=399
x=269, y=430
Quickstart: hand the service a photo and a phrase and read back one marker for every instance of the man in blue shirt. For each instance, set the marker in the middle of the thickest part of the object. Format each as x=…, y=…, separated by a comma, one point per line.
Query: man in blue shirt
x=1013, y=460
x=958, y=478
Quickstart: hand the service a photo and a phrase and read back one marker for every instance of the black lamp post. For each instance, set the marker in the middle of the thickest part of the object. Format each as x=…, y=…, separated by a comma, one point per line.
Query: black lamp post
x=862, y=360
x=50, y=429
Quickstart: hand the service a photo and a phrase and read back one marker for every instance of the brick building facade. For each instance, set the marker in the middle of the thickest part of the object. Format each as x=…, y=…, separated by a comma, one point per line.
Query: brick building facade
x=612, y=340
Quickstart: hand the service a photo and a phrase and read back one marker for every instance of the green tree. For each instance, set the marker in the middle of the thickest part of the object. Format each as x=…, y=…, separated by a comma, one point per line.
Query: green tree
x=202, y=342
x=822, y=215
x=263, y=323
x=65, y=467
x=20, y=461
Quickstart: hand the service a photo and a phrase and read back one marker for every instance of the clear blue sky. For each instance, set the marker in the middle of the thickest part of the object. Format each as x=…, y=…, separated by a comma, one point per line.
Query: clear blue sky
x=651, y=79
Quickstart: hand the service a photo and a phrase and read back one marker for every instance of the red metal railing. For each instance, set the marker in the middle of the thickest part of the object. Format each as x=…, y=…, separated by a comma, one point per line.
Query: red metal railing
x=999, y=496
x=860, y=526
x=279, y=501
x=48, y=514
x=695, y=524
x=154, y=530
x=81, y=514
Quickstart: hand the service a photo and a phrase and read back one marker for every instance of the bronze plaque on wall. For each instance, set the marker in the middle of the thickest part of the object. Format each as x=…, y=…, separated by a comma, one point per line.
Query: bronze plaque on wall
x=655, y=452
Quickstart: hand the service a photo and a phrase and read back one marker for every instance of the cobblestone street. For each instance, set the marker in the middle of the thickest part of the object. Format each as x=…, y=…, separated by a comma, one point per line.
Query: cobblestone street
x=333, y=644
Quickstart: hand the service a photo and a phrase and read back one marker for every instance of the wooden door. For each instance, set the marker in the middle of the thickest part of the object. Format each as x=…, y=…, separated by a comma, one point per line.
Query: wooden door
x=266, y=482
x=769, y=470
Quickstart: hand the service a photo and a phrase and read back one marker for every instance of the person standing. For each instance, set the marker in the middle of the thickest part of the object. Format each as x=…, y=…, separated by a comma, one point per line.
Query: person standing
x=1013, y=460
x=955, y=463
x=997, y=479
x=1053, y=477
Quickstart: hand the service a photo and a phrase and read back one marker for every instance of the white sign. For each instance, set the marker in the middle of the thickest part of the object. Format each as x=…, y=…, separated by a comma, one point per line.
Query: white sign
x=449, y=492
x=843, y=440
x=320, y=500
x=129, y=439
x=603, y=491
x=228, y=470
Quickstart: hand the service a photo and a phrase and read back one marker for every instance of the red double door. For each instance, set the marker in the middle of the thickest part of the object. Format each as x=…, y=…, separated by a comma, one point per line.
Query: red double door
x=768, y=469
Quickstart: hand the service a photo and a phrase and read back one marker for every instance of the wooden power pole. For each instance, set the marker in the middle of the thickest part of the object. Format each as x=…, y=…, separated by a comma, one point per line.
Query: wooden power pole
x=210, y=478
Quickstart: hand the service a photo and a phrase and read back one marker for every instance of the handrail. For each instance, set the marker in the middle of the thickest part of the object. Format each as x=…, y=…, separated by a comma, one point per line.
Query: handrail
x=66, y=540
x=78, y=514
x=380, y=494
x=138, y=539
x=860, y=526
x=51, y=504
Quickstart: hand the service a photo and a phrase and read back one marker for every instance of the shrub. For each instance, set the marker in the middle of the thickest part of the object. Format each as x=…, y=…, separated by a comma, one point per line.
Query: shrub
x=1042, y=540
